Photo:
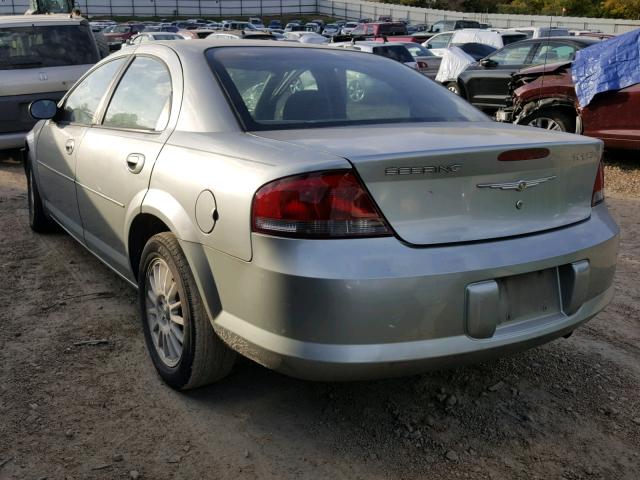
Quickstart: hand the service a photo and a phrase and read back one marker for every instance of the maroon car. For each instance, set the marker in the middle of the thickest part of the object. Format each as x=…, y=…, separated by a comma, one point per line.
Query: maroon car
x=544, y=96
x=121, y=33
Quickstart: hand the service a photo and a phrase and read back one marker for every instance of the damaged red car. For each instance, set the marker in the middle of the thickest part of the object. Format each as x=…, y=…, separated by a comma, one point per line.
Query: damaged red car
x=544, y=96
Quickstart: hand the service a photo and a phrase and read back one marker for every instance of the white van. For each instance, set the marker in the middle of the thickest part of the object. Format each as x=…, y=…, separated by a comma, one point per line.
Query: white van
x=542, y=32
x=41, y=57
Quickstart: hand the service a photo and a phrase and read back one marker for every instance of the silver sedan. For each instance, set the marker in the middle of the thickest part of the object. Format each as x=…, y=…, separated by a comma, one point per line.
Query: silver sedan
x=259, y=208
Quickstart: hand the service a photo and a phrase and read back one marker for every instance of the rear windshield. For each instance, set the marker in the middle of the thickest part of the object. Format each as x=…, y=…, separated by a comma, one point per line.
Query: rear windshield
x=418, y=50
x=168, y=37
x=390, y=29
x=46, y=46
x=467, y=24
x=394, y=52
x=274, y=88
x=512, y=38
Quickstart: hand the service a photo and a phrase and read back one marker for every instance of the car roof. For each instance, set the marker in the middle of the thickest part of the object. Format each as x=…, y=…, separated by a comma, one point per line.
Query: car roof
x=197, y=47
x=61, y=19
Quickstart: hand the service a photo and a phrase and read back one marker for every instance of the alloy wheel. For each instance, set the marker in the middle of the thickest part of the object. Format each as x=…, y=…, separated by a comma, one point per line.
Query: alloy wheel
x=164, y=312
x=546, y=123
x=356, y=90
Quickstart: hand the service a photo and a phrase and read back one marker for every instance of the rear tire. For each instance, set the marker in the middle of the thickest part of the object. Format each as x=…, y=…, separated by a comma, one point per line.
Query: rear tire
x=454, y=88
x=551, y=119
x=38, y=219
x=185, y=350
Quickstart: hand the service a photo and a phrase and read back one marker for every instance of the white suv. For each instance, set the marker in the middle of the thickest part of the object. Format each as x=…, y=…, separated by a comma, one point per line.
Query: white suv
x=41, y=57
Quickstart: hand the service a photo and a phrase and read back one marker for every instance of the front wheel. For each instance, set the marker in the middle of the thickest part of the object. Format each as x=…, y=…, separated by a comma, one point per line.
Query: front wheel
x=551, y=119
x=185, y=350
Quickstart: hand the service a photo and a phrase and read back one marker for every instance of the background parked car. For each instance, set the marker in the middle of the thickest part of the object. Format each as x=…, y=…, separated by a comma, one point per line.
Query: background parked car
x=427, y=62
x=257, y=22
x=439, y=43
x=241, y=35
x=379, y=29
x=147, y=37
x=331, y=30
x=449, y=25
x=348, y=28
x=542, y=32
x=294, y=27
x=121, y=33
x=545, y=97
x=41, y=56
x=456, y=59
x=195, y=33
x=394, y=51
x=486, y=84
x=306, y=37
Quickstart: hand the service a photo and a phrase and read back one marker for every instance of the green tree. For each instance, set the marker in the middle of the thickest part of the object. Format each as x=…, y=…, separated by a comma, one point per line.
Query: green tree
x=621, y=8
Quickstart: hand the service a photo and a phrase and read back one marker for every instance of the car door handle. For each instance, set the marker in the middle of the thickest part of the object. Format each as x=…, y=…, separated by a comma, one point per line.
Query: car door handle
x=135, y=162
x=69, y=146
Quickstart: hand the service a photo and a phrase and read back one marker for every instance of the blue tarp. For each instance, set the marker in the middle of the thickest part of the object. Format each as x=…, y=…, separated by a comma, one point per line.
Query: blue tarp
x=609, y=65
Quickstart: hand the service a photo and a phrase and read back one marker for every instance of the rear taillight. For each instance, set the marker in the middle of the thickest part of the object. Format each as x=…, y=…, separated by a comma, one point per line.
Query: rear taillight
x=598, y=186
x=317, y=205
x=422, y=65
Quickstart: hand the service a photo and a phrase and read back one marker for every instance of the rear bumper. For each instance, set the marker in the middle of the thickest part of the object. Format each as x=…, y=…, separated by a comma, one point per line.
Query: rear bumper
x=14, y=115
x=326, y=362
x=369, y=308
x=12, y=140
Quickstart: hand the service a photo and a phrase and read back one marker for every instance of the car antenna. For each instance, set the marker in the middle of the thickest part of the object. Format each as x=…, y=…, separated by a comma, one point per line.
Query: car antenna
x=546, y=55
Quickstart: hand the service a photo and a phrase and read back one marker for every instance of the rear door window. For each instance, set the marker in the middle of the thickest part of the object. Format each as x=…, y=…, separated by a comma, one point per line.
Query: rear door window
x=512, y=55
x=552, y=53
x=46, y=46
x=142, y=100
x=440, y=41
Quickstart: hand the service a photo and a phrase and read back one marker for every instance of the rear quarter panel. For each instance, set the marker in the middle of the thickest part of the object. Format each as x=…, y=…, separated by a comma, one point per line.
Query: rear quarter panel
x=230, y=165
x=613, y=117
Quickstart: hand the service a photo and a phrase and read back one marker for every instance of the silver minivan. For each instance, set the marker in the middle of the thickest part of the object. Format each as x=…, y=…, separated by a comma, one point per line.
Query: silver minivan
x=41, y=56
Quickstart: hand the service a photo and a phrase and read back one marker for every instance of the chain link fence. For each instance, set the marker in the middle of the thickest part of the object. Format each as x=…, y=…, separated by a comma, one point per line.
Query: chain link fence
x=178, y=8
x=351, y=10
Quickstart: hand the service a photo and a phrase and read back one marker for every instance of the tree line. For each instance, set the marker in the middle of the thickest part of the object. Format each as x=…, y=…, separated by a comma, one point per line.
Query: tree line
x=629, y=9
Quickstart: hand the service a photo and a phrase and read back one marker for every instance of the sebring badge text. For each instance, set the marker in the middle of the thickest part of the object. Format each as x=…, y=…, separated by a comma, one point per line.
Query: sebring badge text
x=445, y=169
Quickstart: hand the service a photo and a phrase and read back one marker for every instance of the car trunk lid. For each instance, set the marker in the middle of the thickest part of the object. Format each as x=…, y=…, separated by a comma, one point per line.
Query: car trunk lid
x=443, y=183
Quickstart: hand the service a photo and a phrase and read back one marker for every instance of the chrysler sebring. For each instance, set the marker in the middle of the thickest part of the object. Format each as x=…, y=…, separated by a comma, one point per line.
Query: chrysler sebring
x=260, y=208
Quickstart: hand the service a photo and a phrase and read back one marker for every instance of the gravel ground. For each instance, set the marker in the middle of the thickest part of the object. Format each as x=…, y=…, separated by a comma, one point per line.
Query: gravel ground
x=69, y=410
x=622, y=173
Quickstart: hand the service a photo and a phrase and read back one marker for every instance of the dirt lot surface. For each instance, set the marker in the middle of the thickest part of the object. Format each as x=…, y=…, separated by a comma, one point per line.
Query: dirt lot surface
x=570, y=409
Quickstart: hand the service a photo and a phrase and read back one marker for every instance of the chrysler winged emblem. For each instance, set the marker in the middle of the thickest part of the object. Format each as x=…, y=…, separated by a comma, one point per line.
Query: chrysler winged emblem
x=518, y=185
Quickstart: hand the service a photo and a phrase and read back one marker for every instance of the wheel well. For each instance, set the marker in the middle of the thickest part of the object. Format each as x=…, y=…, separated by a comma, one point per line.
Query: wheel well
x=144, y=227
x=546, y=104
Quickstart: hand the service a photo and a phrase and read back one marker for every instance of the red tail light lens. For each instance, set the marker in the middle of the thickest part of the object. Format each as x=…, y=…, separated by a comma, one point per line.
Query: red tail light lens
x=317, y=205
x=422, y=65
x=598, y=186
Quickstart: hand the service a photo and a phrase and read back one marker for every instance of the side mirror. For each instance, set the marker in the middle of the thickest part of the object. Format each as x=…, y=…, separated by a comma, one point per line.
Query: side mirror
x=488, y=63
x=43, y=109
